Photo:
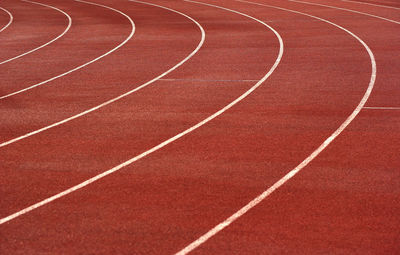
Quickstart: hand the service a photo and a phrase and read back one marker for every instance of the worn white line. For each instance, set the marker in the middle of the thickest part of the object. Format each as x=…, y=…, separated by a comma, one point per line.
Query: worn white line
x=378, y=5
x=205, y=80
x=200, y=44
x=170, y=140
x=303, y=164
x=53, y=40
x=381, y=108
x=86, y=64
x=348, y=10
x=9, y=21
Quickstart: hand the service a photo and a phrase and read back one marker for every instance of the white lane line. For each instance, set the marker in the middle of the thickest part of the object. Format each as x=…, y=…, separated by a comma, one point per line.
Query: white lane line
x=44, y=45
x=88, y=63
x=161, y=145
x=9, y=22
x=305, y=162
x=203, y=35
x=384, y=6
x=205, y=80
x=348, y=10
x=381, y=108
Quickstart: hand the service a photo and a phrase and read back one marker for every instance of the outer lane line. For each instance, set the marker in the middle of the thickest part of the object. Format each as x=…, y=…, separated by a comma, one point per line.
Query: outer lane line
x=166, y=142
x=9, y=22
x=202, y=239
x=86, y=64
x=384, y=6
x=348, y=10
x=123, y=95
x=44, y=45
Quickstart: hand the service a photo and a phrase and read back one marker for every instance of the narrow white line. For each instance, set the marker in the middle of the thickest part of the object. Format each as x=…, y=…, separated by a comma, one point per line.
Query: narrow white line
x=203, y=35
x=314, y=154
x=205, y=80
x=384, y=6
x=170, y=140
x=381, y=108
x=44, y=45
x=88, y=63
x=348, y=10
x=9, y=22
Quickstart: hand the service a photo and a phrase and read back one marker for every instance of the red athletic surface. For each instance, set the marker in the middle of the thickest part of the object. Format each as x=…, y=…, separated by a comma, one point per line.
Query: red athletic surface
x=346, y=201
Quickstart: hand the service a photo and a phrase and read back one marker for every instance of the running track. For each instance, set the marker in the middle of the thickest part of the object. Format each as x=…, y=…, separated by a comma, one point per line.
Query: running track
x=211, y=127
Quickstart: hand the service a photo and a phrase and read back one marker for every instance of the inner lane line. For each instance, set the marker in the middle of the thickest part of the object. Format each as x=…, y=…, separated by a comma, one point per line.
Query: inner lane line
x=10, y=20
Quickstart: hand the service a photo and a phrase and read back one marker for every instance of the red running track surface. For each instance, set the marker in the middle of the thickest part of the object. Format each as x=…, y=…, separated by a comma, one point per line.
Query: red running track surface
x=345, y=201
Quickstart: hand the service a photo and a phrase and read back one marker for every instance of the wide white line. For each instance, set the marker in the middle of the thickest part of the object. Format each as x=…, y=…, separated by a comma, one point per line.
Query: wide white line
x=161, y=145
x=381, y=108
x=203, y=35
x=384, y=6
x=44, y=45
x=348, y=10
x=9, y=22
x=88, y=63
x=305, y=162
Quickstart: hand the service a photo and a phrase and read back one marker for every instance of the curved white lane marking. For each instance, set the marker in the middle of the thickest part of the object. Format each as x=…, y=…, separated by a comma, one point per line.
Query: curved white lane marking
x=348, y=10
x=88, y=63
x=384, y=6
x=161, y=145
x=314, y=154
x=10, y=20
x=44, y=45
x=123, y=95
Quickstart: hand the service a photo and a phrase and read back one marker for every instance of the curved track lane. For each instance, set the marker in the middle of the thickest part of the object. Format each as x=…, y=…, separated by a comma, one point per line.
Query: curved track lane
x=47, y=43
x=85, y=64
x=172, y=196
x=175, y=99
x=305, y=162
x=329, y=199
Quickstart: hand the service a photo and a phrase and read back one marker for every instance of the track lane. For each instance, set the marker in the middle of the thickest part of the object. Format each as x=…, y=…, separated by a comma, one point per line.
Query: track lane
x=47, y=43
x=346, y=200
x=372, y=4
x=349, y=10
x=173, y=192
x=182, y=46
x=176, y=102
x=19, y=37
x=16, y=92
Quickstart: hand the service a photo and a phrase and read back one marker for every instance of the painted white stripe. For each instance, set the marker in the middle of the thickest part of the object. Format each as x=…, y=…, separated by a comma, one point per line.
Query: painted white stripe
x=381, y=108
x=9, y=22
x=44, y=45
x=203, y=35
x=205, y=80
x=86, y=64
x=305, y=162
x=379, y=5
x=161, y=145
x=348, y=10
